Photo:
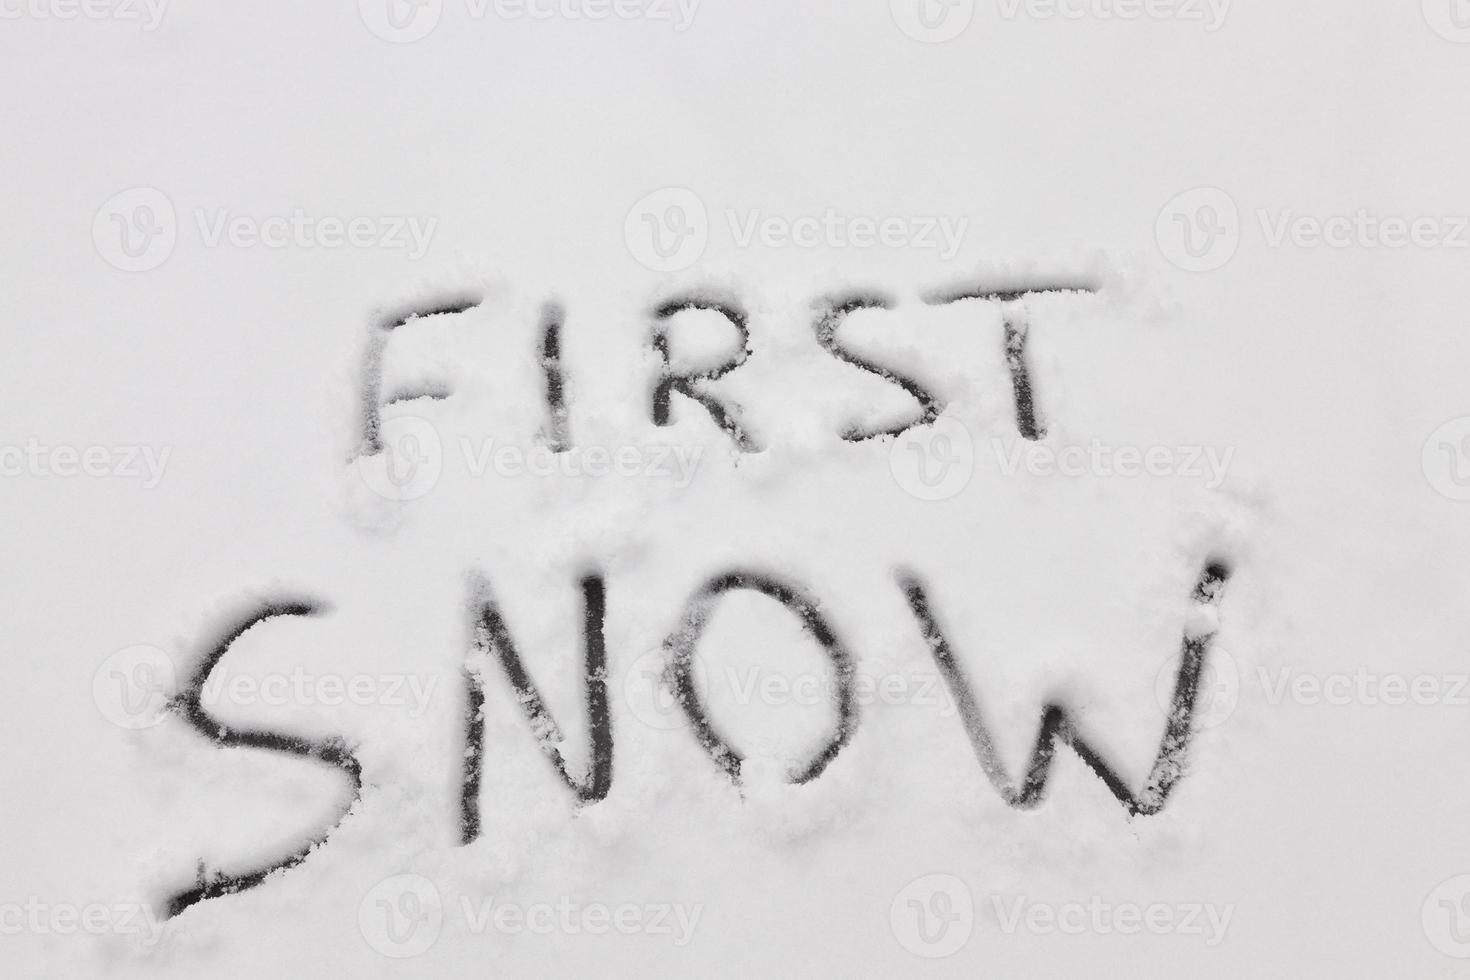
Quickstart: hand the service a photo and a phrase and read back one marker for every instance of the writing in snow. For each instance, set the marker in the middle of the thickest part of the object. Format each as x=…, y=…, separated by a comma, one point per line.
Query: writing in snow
x=699, y=387
x=495, y=653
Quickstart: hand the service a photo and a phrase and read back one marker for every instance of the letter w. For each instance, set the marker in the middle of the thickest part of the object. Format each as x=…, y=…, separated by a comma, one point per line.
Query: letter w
x=1056, y=727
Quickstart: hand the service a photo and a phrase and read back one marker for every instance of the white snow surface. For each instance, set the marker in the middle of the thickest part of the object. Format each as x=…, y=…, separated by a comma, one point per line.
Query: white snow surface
x=1320, y=829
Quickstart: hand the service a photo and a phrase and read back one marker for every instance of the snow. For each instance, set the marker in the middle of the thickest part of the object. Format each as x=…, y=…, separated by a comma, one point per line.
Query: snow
x=1302, y=395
